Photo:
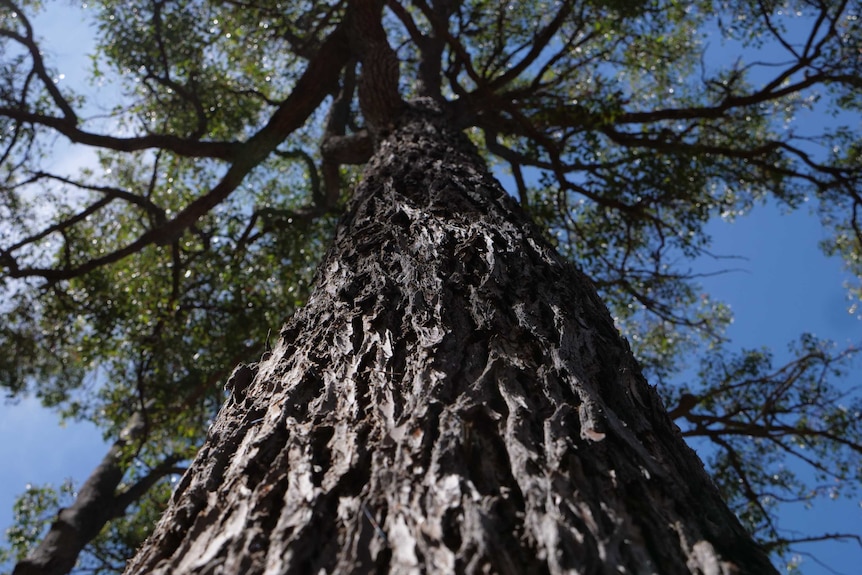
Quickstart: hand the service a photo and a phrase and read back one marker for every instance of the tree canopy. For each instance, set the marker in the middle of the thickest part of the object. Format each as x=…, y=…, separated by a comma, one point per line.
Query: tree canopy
x=134, y=284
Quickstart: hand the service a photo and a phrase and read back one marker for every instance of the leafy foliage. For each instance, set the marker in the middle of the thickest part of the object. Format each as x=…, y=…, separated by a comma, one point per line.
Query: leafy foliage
x=213, y=182
x=32, y=512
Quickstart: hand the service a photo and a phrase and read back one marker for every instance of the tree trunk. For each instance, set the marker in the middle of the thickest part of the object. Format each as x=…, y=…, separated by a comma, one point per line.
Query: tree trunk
x=453, y=398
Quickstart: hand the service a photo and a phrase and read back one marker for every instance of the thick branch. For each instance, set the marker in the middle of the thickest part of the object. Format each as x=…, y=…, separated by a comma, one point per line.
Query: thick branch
x=336, y=146
x=79, y=523
x=189, y=148
x=379, y=96
x=139, y=488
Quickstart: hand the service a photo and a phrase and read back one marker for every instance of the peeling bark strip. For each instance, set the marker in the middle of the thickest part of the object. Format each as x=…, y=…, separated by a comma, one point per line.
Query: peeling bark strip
x=453, y=398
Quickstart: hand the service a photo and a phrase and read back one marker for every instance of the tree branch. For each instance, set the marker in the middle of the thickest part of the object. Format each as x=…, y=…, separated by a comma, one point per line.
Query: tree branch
x=313, y=86
x=77, y=524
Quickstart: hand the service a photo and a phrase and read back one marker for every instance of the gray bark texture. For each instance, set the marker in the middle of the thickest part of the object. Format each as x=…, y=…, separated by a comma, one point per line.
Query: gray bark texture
x=454, y=398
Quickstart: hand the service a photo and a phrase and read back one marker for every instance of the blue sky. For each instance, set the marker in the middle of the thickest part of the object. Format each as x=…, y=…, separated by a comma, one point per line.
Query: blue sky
x=787, y=287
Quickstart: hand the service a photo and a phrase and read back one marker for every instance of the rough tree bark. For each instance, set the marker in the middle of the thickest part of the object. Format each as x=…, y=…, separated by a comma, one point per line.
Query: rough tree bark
x=453, y=398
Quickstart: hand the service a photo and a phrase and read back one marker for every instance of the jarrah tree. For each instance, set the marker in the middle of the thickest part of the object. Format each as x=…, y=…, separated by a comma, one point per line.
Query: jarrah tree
x=454, y=395
x=453, y=398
